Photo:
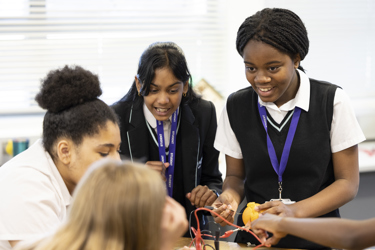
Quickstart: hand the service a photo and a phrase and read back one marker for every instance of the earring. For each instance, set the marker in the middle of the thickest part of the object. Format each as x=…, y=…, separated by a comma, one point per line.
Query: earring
x=184, y=94
x=139, y=93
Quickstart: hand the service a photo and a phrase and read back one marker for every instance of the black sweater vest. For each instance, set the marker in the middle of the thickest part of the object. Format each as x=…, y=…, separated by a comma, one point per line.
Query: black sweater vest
x=309, y=169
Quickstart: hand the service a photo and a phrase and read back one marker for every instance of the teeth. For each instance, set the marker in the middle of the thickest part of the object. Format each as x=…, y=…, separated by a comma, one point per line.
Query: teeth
x=161, y=110
x=265, y=90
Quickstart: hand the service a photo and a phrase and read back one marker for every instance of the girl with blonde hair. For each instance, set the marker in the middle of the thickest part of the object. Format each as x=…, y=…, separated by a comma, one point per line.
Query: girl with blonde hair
x=119, y=205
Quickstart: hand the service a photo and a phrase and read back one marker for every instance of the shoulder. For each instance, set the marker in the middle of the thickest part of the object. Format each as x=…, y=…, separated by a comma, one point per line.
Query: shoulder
x=241, y=94
x=121, y=107
x=322, y=85
x=201, y=105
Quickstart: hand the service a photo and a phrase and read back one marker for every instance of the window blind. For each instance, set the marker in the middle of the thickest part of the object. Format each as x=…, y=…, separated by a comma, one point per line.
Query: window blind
x=104, y=36
x=342, y=38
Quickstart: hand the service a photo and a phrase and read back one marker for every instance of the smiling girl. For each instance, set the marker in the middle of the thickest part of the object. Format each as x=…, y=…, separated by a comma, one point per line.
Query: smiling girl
x=167, y=126
x=287, y=138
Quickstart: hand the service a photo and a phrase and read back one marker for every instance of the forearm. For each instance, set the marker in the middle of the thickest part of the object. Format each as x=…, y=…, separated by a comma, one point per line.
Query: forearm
x=332, y=197
x=333, y=232
x=235, y=186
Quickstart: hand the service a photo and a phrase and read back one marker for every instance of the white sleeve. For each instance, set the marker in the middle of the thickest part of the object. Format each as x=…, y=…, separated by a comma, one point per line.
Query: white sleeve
x=345, y=130
x=225, y=140
x=29, y=205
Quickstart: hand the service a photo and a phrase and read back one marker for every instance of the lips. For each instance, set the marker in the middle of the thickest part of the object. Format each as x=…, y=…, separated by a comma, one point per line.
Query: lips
x=162, y=109
x=265, y=89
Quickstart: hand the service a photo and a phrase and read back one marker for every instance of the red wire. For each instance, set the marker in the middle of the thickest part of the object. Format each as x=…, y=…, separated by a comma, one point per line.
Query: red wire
x=198, y=235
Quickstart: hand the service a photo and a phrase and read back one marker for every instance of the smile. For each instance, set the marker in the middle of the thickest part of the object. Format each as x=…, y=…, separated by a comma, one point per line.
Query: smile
x=162, y=110
x=265, y=89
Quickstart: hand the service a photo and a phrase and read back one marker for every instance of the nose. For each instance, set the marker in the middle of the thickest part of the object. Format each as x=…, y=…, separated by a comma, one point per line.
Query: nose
x=261, y=78
x=115, y=156
x=163, y=98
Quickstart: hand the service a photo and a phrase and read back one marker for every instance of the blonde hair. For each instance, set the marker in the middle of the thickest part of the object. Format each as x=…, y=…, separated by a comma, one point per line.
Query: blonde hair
x=117, y=205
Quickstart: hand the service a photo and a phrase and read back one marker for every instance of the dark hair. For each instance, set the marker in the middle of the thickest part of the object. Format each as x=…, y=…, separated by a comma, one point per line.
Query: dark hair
x=157, y=56
x=70, y=96
x=280, y=28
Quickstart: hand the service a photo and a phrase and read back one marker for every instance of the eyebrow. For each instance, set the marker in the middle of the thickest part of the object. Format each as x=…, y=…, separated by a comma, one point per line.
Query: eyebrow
x=106, y=145
x=179, y=82
x=268, y=63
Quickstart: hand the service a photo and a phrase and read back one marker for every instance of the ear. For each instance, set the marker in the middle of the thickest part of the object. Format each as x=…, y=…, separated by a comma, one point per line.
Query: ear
x=186, y=87
x=138, y=84
x=297, y=61
x=64, y=151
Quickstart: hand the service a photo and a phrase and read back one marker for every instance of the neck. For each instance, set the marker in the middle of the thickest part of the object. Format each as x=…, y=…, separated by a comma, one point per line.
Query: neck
x=291, y=92
x=64, y=172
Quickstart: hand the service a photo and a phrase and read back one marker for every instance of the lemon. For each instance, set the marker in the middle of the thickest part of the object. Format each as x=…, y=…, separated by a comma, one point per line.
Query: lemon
x=249, y=213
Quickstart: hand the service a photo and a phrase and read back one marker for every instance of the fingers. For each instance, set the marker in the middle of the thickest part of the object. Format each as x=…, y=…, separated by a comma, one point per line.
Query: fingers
x=158, y=166
x=224, y=211
x=201, y=196
x=272, y=207
x=174, y=222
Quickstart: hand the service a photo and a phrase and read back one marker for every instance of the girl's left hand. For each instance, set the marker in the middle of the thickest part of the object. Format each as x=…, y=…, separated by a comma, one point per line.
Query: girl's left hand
x=201, y=196
x=277, y=208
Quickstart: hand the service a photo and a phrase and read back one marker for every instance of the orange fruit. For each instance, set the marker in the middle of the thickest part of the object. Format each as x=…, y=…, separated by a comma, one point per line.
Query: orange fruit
x=249, y=213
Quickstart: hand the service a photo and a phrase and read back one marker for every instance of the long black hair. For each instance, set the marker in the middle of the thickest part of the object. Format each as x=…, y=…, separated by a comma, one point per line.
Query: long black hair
x=280, y=28
x=70, y=96
x=157, y=56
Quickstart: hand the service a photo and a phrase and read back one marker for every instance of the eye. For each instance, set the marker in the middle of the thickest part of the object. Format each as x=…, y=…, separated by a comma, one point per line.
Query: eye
x=103, y=154
x=250, y=69
x=273, y=68
x=119, y=151
x=153, y=91
x=173, y=91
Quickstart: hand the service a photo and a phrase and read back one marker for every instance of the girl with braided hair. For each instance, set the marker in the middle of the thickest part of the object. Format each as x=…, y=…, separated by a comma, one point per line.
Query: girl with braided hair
x=290, y=141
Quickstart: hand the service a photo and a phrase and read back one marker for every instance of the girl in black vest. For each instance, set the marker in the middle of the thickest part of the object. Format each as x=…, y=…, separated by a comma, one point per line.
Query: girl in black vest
x=290, y=141
x=167, y=126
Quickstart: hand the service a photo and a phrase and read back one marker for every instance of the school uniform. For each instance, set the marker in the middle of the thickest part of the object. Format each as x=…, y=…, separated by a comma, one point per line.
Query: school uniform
x=33, y=196
x=327, y=124
x=196, y=160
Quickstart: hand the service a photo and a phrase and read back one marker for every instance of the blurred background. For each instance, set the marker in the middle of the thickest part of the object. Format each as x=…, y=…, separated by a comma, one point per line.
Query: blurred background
x=108, y=37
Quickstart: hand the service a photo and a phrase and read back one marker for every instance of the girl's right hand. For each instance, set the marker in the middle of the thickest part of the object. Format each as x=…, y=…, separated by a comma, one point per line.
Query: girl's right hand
x=226, y=207
x=159, y=167
x=173, y=223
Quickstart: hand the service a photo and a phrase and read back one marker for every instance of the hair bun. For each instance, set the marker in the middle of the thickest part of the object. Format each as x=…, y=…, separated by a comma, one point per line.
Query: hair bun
x=67, y=87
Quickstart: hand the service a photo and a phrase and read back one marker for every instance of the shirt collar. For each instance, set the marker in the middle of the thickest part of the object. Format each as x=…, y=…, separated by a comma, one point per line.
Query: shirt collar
x=150, y=117
x=301, y=100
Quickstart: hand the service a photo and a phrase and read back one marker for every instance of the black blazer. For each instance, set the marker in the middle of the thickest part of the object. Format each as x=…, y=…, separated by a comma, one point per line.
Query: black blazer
x=199, y=157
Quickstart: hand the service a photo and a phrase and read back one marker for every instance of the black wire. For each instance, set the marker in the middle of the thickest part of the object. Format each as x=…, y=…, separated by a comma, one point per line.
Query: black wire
x=204, y=246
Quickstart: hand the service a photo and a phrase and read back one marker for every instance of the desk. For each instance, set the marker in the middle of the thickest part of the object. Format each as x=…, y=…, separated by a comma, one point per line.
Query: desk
x=224, y=245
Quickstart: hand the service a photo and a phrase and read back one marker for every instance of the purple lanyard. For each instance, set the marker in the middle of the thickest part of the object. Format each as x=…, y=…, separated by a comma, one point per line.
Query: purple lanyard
x=280, y=168
x=169, y=172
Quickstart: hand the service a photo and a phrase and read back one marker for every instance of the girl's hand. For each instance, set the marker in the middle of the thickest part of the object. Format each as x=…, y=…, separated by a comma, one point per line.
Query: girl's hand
x=201, y=196
x=173, y=223
x=270, y=223
x=159, y=167
x=226, y=207
x=277, y=208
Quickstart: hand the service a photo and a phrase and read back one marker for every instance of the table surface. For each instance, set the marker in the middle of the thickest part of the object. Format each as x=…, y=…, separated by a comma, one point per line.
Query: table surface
x=224, y=245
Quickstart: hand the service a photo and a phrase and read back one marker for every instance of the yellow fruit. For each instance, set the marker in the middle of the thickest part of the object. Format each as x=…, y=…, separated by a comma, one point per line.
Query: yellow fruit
x=9, y=148
x=249, y=213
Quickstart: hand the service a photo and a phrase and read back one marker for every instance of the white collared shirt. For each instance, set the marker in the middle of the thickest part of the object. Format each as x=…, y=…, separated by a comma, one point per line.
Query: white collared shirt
x=152, y=121
x=345, y=130
x=33, y=196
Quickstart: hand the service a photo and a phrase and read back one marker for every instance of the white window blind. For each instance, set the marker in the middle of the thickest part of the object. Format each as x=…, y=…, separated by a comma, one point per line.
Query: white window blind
x=342, y=39
x=104, y=36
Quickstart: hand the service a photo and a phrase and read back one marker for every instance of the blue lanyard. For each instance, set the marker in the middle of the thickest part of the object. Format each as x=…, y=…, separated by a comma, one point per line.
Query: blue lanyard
x=280, y=168
x=169, y=172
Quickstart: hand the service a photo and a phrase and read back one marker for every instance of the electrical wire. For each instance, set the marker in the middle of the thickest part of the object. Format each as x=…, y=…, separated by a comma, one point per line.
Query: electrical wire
x=198, y=241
